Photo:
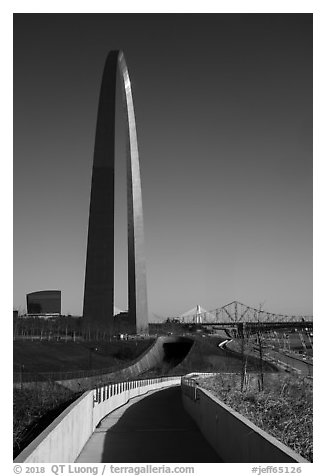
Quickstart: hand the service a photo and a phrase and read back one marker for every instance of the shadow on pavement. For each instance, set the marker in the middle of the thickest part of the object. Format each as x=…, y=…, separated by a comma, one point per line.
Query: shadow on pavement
x=157, y=429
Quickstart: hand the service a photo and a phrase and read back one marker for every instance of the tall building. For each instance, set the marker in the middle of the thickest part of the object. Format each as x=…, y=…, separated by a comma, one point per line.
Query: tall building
x=44, y=303
x=99, y=275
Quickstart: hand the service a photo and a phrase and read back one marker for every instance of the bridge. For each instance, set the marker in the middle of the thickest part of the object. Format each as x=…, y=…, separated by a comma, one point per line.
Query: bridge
x=236, y=312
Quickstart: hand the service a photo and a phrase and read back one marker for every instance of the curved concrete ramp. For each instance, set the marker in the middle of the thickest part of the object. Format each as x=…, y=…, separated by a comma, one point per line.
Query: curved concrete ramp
x=154, y=358
x=153, y=428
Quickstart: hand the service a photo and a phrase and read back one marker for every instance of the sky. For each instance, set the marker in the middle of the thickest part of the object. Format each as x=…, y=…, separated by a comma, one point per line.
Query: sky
x=223, y=106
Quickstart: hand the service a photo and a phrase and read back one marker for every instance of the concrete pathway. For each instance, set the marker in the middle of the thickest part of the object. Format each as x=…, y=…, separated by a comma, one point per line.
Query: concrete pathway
x=153, y=428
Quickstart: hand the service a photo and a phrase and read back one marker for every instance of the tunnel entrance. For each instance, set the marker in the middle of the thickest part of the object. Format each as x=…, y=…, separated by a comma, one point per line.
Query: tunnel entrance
x=175, y=352
x=175, y=349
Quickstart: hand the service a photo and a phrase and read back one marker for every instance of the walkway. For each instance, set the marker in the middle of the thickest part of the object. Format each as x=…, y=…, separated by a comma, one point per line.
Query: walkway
x=153, y=428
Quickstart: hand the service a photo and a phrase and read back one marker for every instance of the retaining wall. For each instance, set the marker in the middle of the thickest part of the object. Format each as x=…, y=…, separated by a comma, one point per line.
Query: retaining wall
x=234, y=438
x=152, y=358
x=64, y=437
x=63, y=440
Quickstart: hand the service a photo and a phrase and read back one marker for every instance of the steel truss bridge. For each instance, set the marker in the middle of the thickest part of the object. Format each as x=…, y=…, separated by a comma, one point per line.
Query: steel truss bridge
x=236, y=313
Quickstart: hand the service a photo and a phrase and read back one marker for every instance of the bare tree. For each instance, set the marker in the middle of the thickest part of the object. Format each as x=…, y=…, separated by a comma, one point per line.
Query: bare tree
x=244, y=355
x=260, y=347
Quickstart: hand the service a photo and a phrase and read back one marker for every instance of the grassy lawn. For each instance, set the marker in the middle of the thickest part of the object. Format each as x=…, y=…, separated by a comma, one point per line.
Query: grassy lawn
x=52, y=356
x=283, y=409
x=206, y=356
x=37, y=406
x=34, y=409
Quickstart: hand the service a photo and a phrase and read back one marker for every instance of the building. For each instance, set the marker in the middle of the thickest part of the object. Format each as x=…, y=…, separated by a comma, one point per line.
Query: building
x=44, y=303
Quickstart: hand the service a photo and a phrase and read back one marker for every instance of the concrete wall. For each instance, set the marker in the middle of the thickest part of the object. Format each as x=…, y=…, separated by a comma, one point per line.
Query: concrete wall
x=129, y=390
x=234, y=438
x=65, y=437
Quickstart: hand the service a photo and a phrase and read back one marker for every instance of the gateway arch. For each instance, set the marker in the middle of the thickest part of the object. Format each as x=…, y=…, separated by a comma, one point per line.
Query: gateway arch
x=99, y=275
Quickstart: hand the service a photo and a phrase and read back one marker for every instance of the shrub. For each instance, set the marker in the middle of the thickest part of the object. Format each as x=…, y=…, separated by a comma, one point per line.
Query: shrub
x=284, y=409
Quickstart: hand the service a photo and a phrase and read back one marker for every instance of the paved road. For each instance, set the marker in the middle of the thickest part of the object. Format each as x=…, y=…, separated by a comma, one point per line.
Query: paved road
x=306, y=367
x=150, y=429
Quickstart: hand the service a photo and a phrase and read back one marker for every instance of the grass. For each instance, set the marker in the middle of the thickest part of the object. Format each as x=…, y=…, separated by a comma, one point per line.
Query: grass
x=51, y=356
x=284, y=409
x=206, y=356
x=34, y=409
x=37, y=405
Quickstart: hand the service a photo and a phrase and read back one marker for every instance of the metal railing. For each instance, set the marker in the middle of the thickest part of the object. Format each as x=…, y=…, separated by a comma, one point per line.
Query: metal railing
x=100, y=394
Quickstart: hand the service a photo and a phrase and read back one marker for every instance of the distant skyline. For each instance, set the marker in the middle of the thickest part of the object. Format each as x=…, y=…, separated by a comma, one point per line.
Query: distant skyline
x=223, y=106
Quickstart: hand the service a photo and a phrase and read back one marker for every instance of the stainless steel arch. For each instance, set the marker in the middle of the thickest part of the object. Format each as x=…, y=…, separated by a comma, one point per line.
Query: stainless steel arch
x=99, y=275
